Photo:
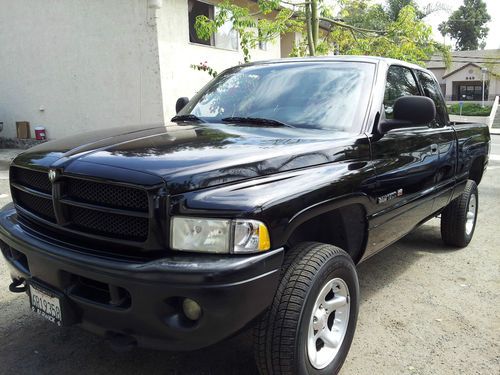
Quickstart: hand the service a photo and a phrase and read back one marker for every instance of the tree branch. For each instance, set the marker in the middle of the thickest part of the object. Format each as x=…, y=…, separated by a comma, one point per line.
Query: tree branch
x=310, y=42
x=350, y=27
x=314, y=21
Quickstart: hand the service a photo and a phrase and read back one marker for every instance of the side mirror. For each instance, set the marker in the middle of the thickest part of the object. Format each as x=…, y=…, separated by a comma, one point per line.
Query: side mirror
x=181, y=103
x=409, y=111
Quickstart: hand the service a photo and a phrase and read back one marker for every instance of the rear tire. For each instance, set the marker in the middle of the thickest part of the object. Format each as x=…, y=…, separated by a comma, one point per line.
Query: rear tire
x=458, y=219
x=309, y=328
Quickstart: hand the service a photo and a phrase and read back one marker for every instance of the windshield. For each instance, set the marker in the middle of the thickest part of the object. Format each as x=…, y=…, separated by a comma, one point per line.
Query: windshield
x=317, y=95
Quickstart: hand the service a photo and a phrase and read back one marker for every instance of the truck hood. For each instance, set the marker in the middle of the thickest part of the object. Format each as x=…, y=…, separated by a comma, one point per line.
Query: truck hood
x=193, y=156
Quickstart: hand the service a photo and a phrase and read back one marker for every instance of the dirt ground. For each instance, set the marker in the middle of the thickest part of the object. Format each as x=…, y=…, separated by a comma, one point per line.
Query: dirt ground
x=425, y=309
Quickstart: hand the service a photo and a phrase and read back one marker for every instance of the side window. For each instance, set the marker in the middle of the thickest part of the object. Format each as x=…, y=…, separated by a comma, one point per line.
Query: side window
x=433, y=91
x=400, y=82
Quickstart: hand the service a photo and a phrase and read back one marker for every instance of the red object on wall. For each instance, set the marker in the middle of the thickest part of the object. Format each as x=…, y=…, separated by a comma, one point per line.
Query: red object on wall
x=40, y=133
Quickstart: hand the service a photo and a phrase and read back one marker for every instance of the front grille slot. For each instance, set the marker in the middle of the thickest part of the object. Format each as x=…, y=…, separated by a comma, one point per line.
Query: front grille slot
x=102, y=194
x=99, y=292
x=108, y=224
x=15, y=256
x=84, y=210
x=41, y=207
x=32, y=179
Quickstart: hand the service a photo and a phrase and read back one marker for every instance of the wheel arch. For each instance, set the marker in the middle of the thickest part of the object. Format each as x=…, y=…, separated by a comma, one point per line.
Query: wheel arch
x=477, y=169
x=343, y=225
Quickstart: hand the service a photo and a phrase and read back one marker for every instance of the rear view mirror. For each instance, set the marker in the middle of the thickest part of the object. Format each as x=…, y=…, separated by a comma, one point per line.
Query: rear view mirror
x=409, y=111
x=181, y=103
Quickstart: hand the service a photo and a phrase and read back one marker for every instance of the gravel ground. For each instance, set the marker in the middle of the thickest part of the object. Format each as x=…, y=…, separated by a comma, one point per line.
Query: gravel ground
x=425, y=309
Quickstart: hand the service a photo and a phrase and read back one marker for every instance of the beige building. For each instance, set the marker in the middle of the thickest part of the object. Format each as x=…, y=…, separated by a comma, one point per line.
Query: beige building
x=78, y=65
x=463, y=80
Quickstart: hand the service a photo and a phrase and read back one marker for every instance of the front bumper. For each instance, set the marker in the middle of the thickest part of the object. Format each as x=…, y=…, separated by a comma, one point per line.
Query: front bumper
x=146, y=298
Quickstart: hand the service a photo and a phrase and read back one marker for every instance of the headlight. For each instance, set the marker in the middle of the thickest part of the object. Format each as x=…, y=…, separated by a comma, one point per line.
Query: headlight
x=193, y=234
x=218, y=235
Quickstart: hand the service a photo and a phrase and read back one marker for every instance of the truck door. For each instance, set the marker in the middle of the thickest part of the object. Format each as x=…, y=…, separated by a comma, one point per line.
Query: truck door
x=407, y=167
x=445, y=138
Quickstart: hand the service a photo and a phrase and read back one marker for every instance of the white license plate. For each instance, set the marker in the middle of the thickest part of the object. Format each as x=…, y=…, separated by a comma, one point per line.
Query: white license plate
x=46, y=305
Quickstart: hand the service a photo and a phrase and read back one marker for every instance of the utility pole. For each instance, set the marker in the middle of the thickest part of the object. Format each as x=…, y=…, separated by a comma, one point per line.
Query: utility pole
x=483, y=70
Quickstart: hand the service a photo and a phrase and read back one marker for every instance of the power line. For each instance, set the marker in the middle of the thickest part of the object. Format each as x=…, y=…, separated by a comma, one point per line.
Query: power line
x=478, y=57
x=475, y=57
x=465, y=62
x=469, y=20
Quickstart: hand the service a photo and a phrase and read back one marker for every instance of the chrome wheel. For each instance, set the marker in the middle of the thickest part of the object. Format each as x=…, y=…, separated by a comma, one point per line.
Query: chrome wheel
x=471, y=215
x=328, y=323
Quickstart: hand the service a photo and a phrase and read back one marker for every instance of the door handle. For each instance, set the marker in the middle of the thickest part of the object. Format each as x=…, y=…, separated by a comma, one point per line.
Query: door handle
x=434, y=149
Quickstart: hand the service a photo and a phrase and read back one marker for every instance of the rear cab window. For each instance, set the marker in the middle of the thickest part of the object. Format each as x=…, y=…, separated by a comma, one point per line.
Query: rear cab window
x=432, y=90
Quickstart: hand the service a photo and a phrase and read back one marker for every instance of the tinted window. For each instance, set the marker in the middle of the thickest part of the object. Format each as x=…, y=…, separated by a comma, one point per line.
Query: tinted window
x=432, y=90
x=400, y=82
x=330, y=95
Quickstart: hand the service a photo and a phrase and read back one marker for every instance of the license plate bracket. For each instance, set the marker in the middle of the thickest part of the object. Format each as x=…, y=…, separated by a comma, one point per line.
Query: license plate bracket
x=47, y=303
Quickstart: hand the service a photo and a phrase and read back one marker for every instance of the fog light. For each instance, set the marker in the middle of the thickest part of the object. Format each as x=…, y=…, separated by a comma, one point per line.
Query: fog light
x=191, y=309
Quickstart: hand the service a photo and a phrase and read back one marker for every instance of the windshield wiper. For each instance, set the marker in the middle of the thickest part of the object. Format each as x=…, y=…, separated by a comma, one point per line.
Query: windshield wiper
x=186, y=118
x=255, y=120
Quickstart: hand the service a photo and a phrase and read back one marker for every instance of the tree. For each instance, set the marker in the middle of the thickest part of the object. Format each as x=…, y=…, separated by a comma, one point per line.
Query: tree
x=407, y=38
x=362, y=14
x=393, y=7
x=467, y=25
x=252, y=23
x=256, y=24
x=358, y=28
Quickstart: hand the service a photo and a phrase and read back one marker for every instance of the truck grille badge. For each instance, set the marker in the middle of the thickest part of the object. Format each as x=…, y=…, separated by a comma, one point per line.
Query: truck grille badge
x=52, y=175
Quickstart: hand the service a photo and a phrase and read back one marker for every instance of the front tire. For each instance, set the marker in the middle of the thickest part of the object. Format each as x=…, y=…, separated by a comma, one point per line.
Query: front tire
x=458, y=219
x=309, y=328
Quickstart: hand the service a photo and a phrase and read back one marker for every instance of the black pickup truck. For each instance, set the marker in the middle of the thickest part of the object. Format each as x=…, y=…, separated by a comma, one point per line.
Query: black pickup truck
x=250, y=209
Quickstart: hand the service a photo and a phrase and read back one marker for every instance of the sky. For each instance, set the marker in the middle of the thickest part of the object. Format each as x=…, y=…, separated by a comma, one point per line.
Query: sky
x=434, y=19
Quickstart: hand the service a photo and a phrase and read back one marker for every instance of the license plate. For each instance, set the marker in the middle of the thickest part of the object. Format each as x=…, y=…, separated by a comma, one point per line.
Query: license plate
x=46, y=304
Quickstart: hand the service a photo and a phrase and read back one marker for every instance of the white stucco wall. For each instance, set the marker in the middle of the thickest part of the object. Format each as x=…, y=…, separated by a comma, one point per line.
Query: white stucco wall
x=438, y=72
x=494, y=89
x=177, y=54
x=474, y=74
x=288, y=42
x=90, y=64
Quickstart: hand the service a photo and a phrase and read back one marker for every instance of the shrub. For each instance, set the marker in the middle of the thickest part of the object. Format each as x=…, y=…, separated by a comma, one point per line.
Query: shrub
x=469, y=109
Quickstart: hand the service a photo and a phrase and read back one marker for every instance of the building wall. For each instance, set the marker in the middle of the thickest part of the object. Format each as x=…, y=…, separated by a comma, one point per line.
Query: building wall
x=438, y=72
x=177, y=54
x=494, y=89
x=288, y=42
x=86, y=64
x=474, y=74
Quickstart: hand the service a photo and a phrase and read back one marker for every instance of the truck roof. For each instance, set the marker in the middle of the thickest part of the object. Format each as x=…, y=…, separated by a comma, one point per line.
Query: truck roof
x=347, y=58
